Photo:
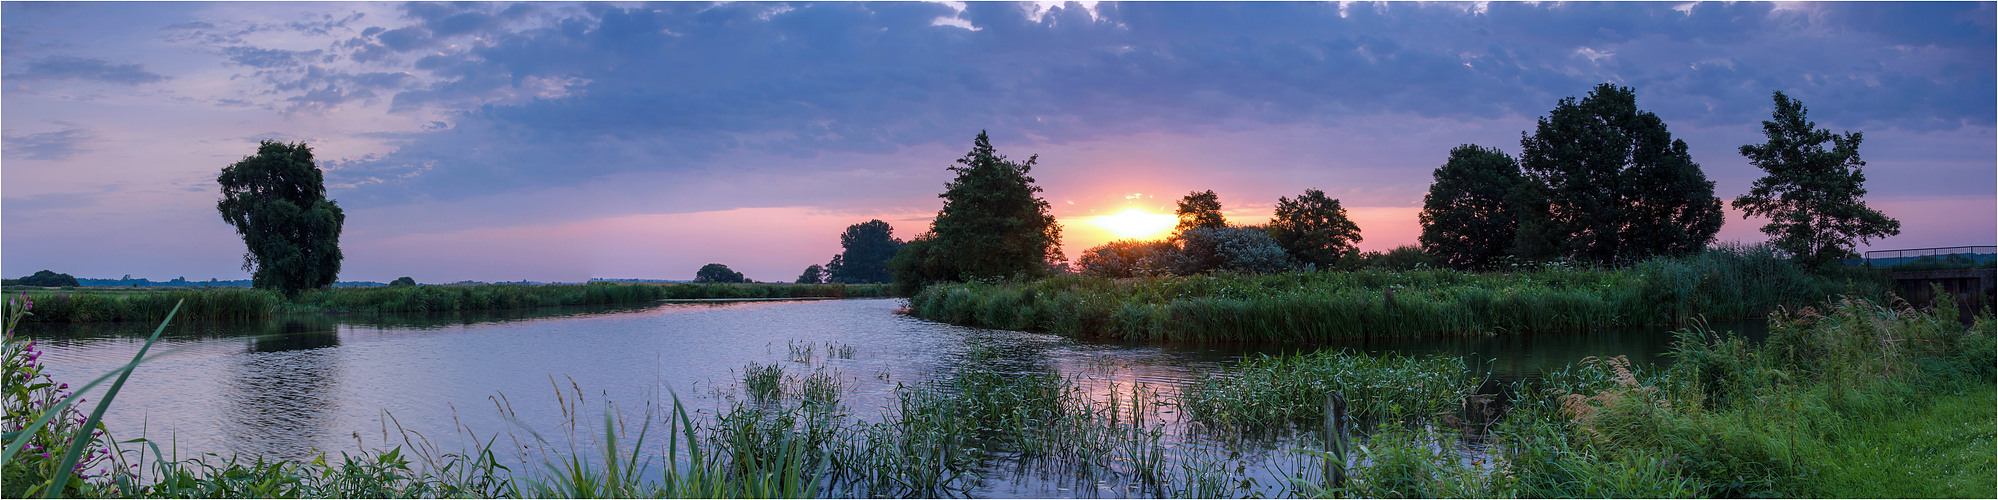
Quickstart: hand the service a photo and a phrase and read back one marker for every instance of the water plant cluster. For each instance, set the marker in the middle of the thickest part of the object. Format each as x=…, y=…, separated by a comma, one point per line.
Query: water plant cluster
x=242, y=303
x=1726, y=282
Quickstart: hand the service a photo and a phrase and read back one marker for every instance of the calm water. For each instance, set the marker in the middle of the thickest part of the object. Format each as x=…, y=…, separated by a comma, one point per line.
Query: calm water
x=283, y=388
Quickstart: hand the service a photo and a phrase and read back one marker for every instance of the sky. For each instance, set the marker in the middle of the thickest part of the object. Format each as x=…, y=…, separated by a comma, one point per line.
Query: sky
x=567, y=141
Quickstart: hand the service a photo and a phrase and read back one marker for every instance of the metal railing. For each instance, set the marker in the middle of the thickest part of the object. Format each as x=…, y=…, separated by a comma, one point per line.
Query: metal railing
x=1963, y=256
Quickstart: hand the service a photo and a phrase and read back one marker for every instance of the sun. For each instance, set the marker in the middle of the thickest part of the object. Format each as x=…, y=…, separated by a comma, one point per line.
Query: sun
x=1136, y=223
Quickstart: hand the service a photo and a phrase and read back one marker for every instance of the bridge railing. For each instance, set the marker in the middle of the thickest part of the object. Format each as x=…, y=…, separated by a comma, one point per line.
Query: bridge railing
x=1934, y=258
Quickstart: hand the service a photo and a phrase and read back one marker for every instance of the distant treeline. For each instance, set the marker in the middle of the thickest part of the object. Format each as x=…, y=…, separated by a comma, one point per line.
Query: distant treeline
x=1725, y=283
x=83, y=305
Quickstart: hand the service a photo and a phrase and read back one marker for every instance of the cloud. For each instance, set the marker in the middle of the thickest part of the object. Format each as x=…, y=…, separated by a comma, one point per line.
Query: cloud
x=264, y=58
x=609, y=89
x=65, y=68
x=54, y=146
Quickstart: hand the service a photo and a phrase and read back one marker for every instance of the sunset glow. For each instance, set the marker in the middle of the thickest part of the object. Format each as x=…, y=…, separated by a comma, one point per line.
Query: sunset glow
x=1136, y=223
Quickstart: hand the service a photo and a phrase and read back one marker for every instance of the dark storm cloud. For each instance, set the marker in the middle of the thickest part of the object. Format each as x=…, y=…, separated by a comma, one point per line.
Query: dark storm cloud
x=543, y=97
x=68, y=68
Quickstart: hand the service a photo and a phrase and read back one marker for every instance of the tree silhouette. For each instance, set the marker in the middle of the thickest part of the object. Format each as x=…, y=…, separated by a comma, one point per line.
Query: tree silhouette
x=1468, y=217
x=717, y=273
x=1811, y=194
x=276, y=199
x=992, y=224
x=1314, y=228
x=1199, y=209
x=1617, y=186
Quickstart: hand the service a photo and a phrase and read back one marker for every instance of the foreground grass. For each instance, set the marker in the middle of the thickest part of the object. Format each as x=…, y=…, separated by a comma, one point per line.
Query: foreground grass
x=1726, y=283
x=1942, y=450
x=112, y=304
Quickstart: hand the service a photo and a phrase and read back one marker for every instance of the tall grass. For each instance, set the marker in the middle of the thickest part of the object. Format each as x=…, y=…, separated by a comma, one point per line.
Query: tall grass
x=1276, y=390
x=87, y=305
x=83, y=305
x=1730, y=282
x=1731, y=419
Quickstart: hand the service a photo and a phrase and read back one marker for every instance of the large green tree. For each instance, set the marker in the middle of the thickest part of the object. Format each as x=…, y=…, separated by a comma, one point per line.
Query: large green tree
x=1468, y=217
x=1314, y=228
x=868, y=246
x=276, y=199
x=1618, y=186
x=992, y=224
x=1811, y=194
x=1200, y=209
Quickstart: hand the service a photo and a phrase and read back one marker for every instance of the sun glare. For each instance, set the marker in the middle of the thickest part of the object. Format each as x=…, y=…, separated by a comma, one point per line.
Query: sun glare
x=1136, y=223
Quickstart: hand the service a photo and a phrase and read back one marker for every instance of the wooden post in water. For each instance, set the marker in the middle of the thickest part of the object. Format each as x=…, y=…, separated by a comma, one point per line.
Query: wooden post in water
x=1335, y=440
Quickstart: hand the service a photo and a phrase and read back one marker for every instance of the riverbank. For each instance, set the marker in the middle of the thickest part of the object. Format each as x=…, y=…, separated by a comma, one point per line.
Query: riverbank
x=1841, y=400
x=1727, y=283
x=151, y=305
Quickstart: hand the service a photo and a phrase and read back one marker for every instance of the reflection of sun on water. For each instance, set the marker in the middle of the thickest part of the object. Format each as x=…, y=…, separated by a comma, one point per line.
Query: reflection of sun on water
x=1136, y=223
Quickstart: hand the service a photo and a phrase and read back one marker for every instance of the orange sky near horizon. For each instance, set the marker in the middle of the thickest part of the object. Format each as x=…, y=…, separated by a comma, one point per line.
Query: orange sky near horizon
x=776, y=243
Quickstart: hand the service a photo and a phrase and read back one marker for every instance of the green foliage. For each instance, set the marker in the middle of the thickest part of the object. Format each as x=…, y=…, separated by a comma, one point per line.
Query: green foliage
x=403, y=281
x=26, y=394
x=46, y=278
x=1811, y=195
x=1618, y=188
x=992, y=225
x=868, y=246
x=1314, y=229
x=717, y=273
x=1231, y=249
x=1469, y=218
x=88, y=305
x=1199, y=209
x=1729, y=282
x=1732, y=419
x=918, y=265
x=816, y=275
x=1129, y=258
x=1401, y=258
x=1269, y=390
x=277, y=201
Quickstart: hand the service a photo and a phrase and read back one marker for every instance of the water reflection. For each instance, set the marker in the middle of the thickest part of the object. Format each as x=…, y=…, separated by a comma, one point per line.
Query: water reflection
x=284, y=390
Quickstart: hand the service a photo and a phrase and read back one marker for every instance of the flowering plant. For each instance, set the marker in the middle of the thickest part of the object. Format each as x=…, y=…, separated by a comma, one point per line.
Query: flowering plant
x=25, y=395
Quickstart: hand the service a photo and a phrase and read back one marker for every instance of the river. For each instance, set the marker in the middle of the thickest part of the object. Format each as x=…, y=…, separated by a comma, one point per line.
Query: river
x=283, y=388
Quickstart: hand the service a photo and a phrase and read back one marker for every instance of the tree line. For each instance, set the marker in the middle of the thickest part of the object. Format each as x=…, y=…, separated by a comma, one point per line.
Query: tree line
x=1598, y=181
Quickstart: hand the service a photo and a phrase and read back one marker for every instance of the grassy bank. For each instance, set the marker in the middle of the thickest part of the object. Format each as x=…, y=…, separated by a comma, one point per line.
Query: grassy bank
x=150, y=305
x=1735, y=282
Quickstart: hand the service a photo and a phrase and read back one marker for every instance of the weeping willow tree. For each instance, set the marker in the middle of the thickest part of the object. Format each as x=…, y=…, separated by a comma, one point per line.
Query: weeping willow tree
x=276, y=199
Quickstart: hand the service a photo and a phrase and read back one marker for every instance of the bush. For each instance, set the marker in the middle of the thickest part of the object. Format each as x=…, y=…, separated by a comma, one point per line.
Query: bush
x=1235, y=249
x=1129, y=258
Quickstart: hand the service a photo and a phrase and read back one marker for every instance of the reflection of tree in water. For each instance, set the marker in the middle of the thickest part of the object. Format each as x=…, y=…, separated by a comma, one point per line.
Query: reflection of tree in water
x=281, y=396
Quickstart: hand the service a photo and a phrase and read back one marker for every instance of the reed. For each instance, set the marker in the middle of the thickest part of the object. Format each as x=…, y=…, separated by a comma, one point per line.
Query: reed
x=1289, y=389
x=1727, y=282
x=91, y=305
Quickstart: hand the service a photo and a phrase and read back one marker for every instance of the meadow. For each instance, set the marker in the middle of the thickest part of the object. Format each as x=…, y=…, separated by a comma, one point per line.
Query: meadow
x=1726, y=283
x=152, y=305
